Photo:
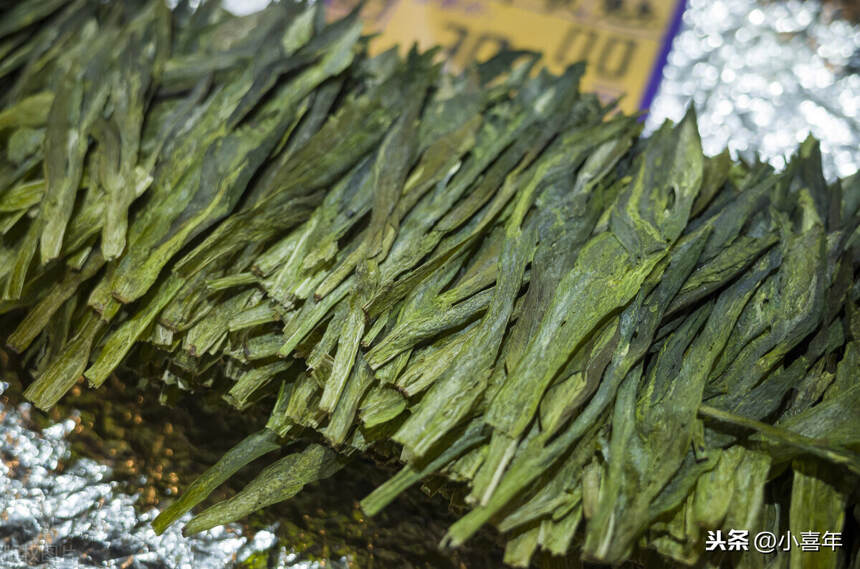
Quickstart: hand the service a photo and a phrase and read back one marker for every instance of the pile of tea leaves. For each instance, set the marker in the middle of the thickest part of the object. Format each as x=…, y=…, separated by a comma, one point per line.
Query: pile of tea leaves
x=600, y=344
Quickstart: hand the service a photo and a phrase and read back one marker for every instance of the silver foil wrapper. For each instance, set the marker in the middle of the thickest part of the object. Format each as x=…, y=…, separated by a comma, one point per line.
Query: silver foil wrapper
x=57, y=513
x=764, y=75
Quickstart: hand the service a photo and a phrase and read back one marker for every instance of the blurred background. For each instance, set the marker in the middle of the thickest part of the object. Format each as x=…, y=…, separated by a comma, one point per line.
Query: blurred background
x=762, y=74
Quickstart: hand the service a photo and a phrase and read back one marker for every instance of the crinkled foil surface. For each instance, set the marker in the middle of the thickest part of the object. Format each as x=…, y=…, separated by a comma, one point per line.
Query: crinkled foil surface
x=762, y=75
x=57, y=514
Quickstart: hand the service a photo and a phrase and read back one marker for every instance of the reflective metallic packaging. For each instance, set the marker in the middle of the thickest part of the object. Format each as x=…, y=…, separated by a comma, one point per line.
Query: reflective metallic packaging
x=763, y=76
x=57, y=513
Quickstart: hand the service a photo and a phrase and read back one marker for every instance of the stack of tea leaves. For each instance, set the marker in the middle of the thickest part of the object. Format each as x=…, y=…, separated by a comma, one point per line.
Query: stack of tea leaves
x=602, y=345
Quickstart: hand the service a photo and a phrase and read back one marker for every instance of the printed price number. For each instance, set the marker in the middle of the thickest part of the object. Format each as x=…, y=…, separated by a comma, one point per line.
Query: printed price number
x=631, y=12
x=608, y=54
x=474, y=46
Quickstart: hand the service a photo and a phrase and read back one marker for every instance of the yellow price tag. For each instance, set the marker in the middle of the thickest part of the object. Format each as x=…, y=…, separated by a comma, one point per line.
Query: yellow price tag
x=625, y=42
